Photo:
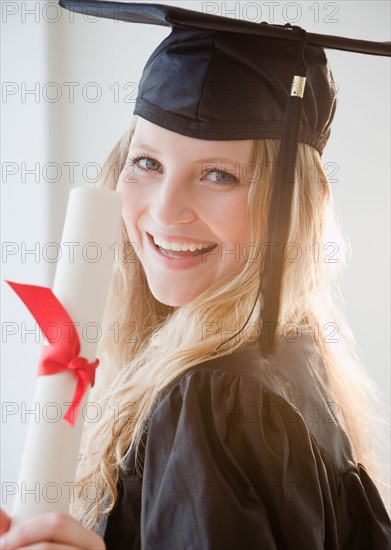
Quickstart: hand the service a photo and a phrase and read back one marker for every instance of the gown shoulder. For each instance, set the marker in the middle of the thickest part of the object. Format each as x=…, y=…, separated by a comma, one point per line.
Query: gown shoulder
x=231, y=462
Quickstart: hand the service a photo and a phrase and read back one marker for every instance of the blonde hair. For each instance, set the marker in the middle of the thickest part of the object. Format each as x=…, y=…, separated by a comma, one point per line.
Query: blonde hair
x=147, y=345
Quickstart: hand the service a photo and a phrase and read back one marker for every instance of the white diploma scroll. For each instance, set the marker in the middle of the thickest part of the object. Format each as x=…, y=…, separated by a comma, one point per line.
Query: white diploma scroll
x=88, y=251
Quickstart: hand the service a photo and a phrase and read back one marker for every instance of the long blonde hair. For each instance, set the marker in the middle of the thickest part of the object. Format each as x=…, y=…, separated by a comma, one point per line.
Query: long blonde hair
x=146, y=345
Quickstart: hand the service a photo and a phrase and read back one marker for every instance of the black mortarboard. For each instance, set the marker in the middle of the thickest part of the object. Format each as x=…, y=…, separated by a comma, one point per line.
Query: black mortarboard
x=225, y=79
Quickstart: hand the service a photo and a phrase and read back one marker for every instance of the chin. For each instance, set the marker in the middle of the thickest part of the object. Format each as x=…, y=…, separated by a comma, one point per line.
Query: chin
x=173, y=298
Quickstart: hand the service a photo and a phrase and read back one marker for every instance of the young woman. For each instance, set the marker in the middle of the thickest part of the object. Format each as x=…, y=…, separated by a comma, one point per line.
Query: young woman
x=216, y=444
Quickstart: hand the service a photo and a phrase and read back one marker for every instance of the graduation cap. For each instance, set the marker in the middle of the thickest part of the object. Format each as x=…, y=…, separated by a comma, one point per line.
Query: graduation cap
x=220, y=78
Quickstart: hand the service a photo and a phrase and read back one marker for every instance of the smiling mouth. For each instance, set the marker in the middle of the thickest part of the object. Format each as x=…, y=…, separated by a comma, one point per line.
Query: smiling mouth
x=180, y=250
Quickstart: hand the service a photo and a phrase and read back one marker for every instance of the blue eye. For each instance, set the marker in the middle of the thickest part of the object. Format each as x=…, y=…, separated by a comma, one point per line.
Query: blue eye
x=222, y=177
x=149, y=164
x=146, y=163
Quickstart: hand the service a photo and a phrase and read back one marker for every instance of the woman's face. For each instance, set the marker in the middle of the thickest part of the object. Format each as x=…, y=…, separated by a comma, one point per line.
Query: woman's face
x=185, y=209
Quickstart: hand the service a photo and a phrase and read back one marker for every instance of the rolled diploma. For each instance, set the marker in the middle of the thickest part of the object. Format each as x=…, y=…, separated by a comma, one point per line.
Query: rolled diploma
x=46, y=479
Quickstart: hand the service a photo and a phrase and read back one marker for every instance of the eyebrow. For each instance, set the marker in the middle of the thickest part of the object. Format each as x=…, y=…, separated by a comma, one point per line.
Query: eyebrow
x=135, y=145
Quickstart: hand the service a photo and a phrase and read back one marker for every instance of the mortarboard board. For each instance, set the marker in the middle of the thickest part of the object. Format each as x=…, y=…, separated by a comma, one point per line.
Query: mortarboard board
x=283, y=67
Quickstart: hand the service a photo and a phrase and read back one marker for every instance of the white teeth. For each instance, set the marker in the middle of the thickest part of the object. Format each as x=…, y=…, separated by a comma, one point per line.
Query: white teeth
x=184, y=247
x=166, y=245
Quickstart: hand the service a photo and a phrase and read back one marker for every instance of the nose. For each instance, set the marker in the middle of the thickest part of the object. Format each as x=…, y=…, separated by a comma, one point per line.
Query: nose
x=172, y=203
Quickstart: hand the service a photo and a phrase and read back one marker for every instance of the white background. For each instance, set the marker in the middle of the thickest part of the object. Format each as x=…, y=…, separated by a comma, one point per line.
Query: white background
x=43, y=48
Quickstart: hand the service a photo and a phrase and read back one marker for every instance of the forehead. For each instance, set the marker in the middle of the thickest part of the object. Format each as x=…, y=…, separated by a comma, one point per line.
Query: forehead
x=153, y=137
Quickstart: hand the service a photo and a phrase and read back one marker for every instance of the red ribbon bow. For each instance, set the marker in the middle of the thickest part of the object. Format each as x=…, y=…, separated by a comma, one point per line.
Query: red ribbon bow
x=63, y=352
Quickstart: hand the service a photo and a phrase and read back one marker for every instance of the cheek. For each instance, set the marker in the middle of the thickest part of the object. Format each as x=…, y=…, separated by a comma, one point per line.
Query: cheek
x=132, y=207
x=229, y=218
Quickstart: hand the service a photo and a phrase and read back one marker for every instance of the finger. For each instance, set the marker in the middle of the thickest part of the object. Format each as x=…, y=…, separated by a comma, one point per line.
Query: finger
x=55, y=527
x=5, y=522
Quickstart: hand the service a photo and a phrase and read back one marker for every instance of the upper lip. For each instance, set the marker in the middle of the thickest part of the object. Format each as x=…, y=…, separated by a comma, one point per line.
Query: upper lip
x=179, y=239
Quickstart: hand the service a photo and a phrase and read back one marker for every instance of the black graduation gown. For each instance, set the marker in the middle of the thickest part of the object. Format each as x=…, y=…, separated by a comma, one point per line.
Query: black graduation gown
x=247, y=454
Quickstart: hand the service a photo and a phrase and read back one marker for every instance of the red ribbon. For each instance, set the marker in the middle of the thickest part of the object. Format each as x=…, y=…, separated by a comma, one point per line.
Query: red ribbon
x=63, y=352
